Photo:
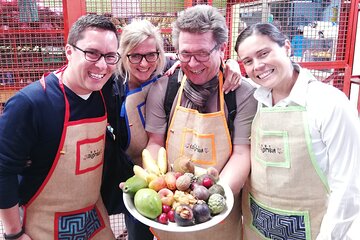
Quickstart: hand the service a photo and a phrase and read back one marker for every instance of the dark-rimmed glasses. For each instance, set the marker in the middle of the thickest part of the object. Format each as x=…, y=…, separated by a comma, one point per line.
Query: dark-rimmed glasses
x=200, y=56
x=91, y=56
x=137, y=57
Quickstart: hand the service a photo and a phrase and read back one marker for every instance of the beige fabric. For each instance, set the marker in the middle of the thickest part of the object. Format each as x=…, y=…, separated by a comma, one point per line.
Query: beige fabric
x=204, y=137
x=73, y=183
x=284, y=178
x=156, y=121
x=135, y=111
x=203, y=131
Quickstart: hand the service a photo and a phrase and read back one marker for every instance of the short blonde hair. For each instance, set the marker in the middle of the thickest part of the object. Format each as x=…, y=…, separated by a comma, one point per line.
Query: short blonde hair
x=132, y=35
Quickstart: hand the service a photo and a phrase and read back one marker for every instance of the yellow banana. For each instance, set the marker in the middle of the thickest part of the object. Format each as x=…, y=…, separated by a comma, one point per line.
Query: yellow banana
x=151, y=177
x=162, y=160
x=149, y=163
x=140, y=172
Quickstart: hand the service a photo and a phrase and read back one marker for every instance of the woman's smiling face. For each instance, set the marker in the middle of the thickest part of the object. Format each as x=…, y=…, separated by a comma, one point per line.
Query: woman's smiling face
x=142, y=71
x=265, y=62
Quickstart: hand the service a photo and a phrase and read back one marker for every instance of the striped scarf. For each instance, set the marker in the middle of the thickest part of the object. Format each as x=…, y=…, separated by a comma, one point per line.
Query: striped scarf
x=196, y=96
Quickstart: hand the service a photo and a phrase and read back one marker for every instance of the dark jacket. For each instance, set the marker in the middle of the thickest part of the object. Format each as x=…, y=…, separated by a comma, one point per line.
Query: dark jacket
x=117, y=165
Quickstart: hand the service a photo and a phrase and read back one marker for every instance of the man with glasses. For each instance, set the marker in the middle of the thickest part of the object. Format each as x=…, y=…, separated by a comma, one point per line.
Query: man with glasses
x=52, y=136
x=141, y=46
x=197, y=126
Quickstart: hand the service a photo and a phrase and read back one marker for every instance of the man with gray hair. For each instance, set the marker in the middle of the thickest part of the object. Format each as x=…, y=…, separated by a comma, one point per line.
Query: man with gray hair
x=199, y=113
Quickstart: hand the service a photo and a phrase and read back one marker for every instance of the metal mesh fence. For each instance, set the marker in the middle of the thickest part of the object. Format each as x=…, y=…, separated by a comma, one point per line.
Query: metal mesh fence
x=32, y=31
x=317, y=29
x=31, y=42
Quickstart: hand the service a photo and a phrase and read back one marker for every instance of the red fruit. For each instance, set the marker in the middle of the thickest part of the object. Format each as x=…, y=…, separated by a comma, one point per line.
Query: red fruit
x=163, y=218
x=207, y=182
x=165, y=208
x=171, y=215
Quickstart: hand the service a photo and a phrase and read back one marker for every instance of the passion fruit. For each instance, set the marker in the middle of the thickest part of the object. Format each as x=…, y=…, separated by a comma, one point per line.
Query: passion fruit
x=217, y=188
x=184, y=215
x=202, y=212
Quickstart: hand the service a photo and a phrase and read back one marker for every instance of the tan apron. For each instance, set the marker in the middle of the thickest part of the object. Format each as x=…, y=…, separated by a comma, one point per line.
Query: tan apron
x=286, y=194
x=133, y=109
x=68, y=204
x=206, y=139
x=193, y=134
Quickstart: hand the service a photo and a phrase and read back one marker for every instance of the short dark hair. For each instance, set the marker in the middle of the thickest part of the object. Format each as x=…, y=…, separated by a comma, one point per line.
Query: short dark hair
x=266, y=29
x=90, y=21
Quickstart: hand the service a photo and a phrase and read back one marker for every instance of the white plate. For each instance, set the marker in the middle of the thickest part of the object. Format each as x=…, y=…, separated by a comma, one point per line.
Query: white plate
x=173, y=227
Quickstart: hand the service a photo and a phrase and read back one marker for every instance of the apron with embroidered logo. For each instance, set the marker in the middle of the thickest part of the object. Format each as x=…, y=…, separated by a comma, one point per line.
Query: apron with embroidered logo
x=68, y=204
x=286, y=194
x=205, y=138
x=133, y=109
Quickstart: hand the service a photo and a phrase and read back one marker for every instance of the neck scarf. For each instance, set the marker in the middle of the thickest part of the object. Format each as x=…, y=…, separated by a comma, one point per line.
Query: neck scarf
x=196, y=96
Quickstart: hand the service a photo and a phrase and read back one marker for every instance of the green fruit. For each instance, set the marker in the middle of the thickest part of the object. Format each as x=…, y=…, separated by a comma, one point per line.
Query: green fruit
x=216, y=203
x=216, y=188
x=148, y=203
x=134, y=184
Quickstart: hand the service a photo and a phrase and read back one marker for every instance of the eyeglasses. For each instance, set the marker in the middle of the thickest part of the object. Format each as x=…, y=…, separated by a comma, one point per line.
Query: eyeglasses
x=137, y=57
x=110, y=58
x=200, y=57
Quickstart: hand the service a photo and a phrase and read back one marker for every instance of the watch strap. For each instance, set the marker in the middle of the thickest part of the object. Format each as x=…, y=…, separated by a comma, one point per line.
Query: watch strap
x=14, y=236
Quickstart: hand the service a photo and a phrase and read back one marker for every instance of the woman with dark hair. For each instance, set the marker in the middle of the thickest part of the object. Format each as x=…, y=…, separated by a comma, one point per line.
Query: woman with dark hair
x=303, y=170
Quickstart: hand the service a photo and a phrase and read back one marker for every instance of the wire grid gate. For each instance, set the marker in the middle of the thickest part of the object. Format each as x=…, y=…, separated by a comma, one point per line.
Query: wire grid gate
x=32, y=31
x=32, y=34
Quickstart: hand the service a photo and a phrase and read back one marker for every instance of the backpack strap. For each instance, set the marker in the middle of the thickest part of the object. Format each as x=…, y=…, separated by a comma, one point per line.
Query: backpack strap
x=230, y=100
x=171, y=91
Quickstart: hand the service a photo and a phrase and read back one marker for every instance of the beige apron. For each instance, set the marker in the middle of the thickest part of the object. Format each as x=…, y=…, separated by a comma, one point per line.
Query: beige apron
x=193, y=134
x=206, y=139
x=133, y=109
x=286, y=194
x=68, y=204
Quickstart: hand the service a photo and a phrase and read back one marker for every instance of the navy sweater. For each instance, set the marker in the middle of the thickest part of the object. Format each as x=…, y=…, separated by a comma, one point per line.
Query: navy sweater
x=30, y=133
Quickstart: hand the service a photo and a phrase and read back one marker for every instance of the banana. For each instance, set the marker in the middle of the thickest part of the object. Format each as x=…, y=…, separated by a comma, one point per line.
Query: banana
x=151, y=177
x=149, y=163
x=162, y=161
x=140, y=172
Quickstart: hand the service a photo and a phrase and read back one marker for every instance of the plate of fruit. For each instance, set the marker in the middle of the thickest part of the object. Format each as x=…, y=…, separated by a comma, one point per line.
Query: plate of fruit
x=185, y=199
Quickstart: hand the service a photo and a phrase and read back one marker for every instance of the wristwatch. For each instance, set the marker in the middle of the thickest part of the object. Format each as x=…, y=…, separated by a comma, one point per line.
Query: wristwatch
x=14, y=236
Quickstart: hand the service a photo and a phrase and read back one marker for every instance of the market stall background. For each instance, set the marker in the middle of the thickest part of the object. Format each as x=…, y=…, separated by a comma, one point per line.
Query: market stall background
x=33, y=33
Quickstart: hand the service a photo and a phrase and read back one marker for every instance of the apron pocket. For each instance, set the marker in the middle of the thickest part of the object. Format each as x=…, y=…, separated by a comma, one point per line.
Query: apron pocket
x=273, y=223
x=200, y=147
x=272, y=148
x=80, y=224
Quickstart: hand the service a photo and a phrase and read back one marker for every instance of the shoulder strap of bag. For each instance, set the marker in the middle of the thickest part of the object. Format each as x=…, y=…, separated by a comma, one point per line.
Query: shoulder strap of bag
x=171, y=91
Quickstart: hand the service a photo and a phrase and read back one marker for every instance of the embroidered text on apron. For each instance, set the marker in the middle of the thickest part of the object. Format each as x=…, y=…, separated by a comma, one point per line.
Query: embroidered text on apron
x=133, y=109
x=72, y=188
x=206, y=139
x=285, y=196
